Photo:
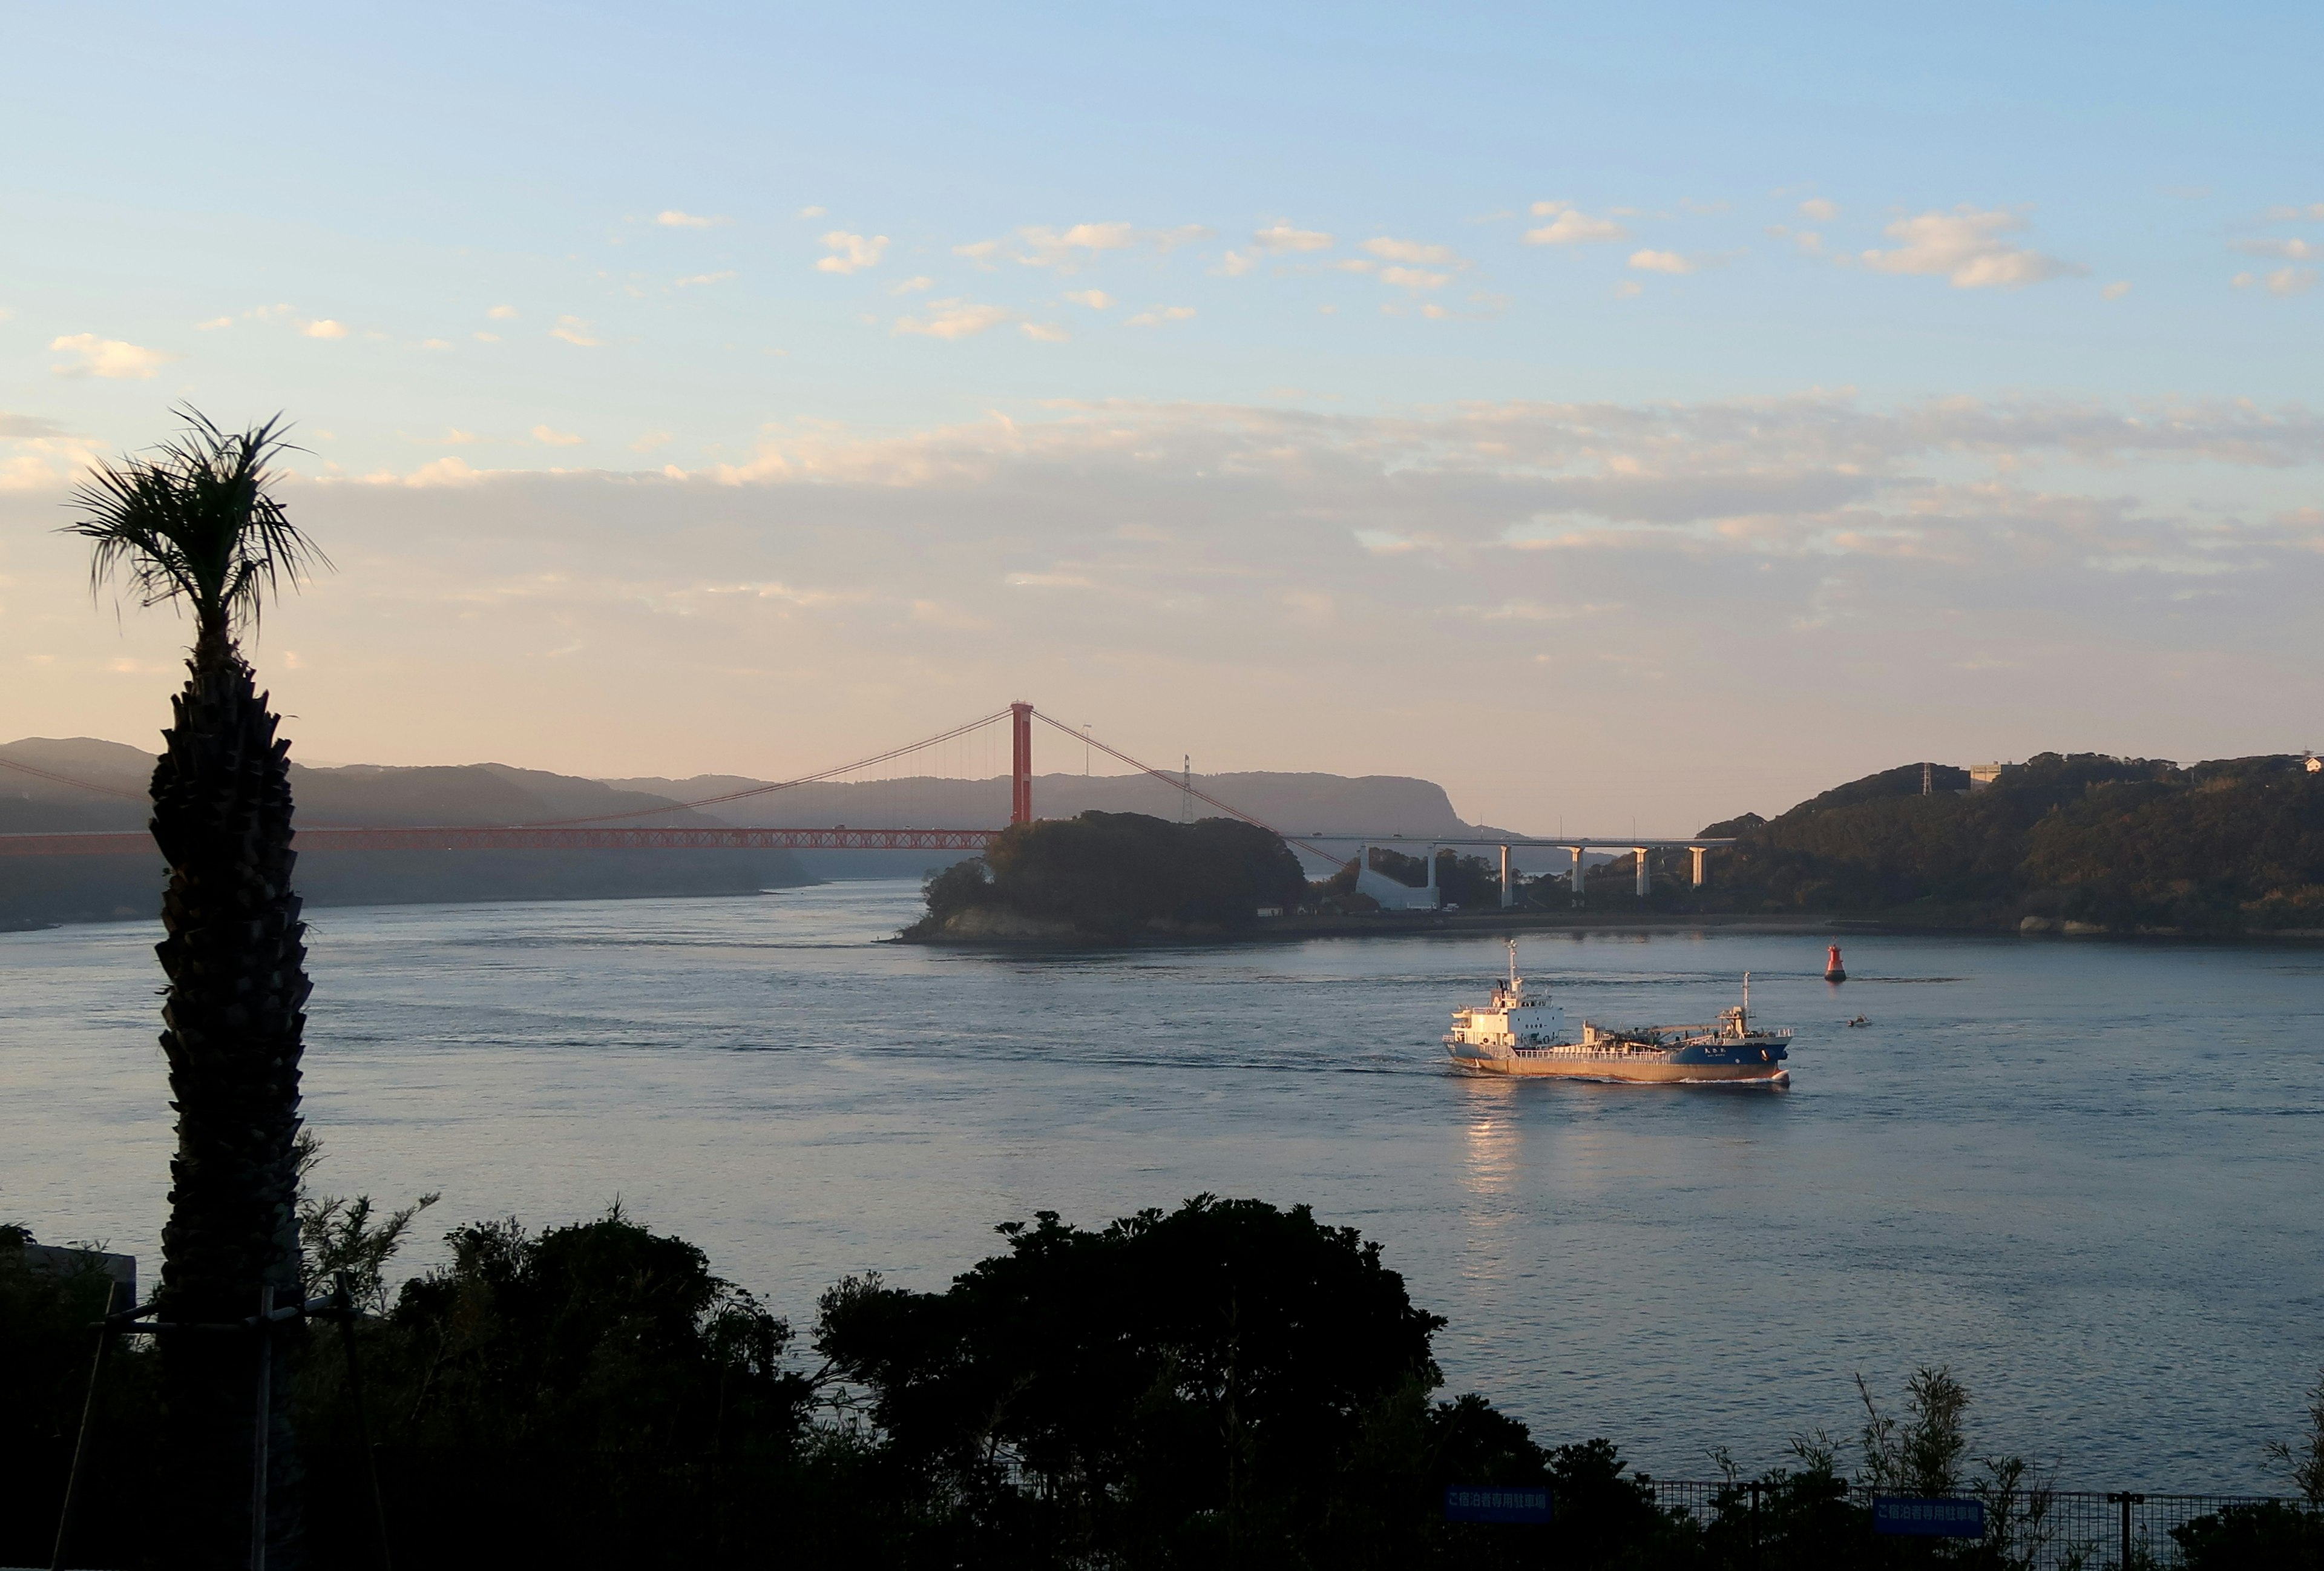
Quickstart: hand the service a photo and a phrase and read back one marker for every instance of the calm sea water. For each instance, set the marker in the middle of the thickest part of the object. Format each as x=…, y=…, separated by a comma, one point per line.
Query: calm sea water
x=2084, y=1174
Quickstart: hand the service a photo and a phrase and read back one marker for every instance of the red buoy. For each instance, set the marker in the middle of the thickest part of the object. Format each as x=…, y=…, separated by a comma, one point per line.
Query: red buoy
x=1833, y=971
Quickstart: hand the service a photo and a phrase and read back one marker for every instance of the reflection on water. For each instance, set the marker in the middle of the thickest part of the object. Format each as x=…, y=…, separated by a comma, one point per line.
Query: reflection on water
x=2083, y=1175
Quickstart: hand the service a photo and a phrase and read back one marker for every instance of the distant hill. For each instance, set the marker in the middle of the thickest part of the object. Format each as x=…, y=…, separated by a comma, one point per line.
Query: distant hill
x=48, y=889
x=2078, y=841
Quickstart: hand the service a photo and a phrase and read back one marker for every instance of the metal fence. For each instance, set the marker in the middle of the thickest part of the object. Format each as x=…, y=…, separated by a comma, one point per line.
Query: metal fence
x=2056, y=1530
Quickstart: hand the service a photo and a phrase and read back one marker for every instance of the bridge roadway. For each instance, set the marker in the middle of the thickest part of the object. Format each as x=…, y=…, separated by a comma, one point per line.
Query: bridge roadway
x=839, y=837
x=518, y=838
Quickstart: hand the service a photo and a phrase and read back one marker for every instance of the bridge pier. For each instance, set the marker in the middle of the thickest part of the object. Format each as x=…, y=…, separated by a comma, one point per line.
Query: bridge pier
x=1509, y=893
x=1578, y=891
x=1645, y=879
x=1699, y=852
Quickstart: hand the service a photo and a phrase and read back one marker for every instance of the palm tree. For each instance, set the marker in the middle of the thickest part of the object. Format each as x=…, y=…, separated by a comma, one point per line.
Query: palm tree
x=195, y=524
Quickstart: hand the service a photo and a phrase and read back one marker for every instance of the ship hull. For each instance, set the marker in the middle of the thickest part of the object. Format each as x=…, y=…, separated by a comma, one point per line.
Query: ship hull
x=1635, y=1074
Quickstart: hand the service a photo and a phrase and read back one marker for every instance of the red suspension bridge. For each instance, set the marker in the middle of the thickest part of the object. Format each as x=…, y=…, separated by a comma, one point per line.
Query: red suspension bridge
x=632, y=828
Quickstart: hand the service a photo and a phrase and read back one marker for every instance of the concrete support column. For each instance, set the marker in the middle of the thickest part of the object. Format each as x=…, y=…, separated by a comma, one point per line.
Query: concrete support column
x=1646, y=880
x=1699, y=852
x=1436, y=896
x=1508, y=892
x=1577, y=870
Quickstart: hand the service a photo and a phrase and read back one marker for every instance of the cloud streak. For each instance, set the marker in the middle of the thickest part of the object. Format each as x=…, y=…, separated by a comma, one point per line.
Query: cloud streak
x=1969, y=248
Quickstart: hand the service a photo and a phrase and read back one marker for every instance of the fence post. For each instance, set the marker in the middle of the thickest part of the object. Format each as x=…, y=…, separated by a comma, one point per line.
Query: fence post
x=2125, y=1501
x=87, y=1425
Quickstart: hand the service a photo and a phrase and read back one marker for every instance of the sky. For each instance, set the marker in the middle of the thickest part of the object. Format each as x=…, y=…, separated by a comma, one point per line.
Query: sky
x=1625, y=416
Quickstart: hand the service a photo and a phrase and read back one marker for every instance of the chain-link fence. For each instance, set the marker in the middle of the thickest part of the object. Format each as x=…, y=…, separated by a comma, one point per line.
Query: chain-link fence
x=2052, y=1530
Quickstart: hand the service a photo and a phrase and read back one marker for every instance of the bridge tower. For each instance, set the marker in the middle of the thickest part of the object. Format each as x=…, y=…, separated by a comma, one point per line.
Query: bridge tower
x=1020, y=764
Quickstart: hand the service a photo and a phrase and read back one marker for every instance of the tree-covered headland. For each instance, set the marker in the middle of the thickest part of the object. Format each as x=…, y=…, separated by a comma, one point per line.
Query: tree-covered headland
x=2116, y=845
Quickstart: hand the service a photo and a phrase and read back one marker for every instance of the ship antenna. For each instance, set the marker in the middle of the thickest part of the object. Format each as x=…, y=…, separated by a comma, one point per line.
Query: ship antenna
x=1747, y=998
x=1513, y=965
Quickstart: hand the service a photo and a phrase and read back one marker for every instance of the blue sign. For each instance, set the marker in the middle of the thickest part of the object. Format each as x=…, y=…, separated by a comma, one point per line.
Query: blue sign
x=1928, y=1516
x=1508, y=1504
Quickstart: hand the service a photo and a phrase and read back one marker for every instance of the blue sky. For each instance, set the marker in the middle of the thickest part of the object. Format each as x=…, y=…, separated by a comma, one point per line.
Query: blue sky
x=1093, y=263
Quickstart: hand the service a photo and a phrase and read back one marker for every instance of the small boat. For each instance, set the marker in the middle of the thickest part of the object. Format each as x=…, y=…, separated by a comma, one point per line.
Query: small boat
x=1522, y=1033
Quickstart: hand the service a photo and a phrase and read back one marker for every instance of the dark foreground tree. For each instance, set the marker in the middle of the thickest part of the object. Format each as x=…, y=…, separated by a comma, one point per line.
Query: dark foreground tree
x=195, y=525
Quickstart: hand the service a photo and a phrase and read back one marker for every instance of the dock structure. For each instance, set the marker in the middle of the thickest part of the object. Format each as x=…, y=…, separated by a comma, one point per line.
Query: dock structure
x=1404, y=897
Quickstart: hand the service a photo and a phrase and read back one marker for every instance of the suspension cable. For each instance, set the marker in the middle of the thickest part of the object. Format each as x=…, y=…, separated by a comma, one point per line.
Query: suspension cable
x=779, y=785
x=1178, y=782
x=86, y=785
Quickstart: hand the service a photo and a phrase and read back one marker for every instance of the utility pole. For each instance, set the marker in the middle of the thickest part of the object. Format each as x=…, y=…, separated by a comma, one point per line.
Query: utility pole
x=1187, y=790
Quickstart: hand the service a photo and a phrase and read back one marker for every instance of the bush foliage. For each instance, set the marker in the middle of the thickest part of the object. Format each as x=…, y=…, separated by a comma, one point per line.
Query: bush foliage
x=1224, y=1385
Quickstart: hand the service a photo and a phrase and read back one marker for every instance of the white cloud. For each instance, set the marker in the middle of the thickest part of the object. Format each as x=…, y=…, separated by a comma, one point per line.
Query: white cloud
x=1819, y=209
x=671, y=218
x=548, y=437
x=501, y=313
x=1569, y=225
x=323, y=328
x=1159, y=315
x=485, y=337
x=1967, y=246
x=2115, y=290
x=650, y=442
x=109, y=358
x=1282, y=237
x=213, y=324
x=274, y=313
x=851, y=252
x=1235, y=263
x=445, y=471
x=2291, y=250
x=1417, y=251
x=2283, y=283
x=1413, y=278
x=811, y=212
x=1097, y=300
x=1661, y=262
x=435, y=343
x=952, y=319
x=914, y=285
x=573, y=330
x=1044, y=332
x=456, y=436
x=1628, y=288
x=699, y=279
x=2294, y=214
x=1069, y=249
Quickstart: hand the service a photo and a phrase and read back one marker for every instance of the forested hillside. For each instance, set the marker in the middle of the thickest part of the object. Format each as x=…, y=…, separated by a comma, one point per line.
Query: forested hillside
x=2082, y=839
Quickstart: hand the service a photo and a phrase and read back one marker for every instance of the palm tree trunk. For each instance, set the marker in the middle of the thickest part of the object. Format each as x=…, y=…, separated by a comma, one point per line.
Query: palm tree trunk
x=235, y=957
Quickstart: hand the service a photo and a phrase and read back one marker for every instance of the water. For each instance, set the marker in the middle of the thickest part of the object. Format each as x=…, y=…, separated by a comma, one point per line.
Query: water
x=2084, y=1174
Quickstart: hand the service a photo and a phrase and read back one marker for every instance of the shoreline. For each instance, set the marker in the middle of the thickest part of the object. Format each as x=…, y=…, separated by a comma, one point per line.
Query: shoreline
x=1464, y=924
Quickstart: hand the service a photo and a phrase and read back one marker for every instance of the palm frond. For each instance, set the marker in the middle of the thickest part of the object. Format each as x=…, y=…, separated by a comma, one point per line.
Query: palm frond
x=196, y=521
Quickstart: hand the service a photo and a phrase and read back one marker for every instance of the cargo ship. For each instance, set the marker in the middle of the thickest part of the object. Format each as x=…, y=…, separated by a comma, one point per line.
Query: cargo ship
x=1522, y=1033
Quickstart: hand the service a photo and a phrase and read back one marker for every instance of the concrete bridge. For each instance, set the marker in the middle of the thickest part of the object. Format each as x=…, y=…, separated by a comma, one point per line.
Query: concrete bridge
x=1396, y=896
